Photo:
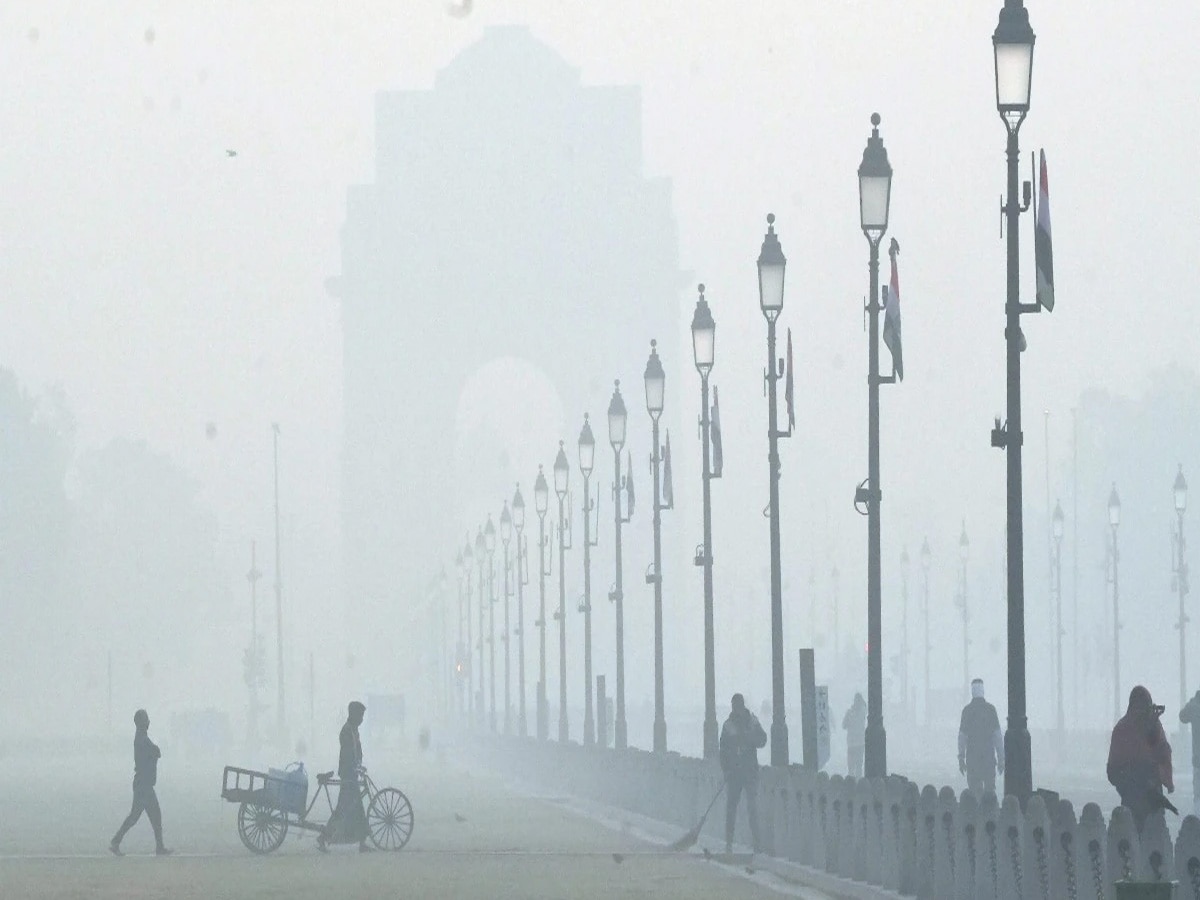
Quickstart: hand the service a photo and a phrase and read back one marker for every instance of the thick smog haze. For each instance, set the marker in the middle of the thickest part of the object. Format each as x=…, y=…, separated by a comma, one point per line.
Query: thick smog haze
x=197, y=243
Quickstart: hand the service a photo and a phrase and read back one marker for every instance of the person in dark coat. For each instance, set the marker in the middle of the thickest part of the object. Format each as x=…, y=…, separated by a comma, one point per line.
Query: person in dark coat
x=741, y=737
x=855, y=723
x=980, y=743
x=348, y=822
x=1139, y=758
x=1190, y=715
x=145, y=776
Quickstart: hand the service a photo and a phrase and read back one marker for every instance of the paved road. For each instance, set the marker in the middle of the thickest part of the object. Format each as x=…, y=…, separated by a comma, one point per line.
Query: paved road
x=508, y=846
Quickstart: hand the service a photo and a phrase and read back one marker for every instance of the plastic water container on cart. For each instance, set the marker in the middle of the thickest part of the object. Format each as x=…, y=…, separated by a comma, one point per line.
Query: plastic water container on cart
x=287, y=788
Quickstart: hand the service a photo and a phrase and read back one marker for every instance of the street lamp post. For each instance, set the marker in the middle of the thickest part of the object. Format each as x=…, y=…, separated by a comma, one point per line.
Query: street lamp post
x=279, y=710
x=518, y=517
x=617, y=420
x=655, y=380
x=541, y=503
x=1114, y=521
x=1012, y=44
x=587, y=458
x=904, y=624
x=253, y=662
x=468, y=570
x=561, y=472
x=926, y=560
x=874, y=192
x=704, y=332
x=1180, y=572
x=772, y=265
x=489, y=541
x=506, y=538
x=964, y=553
x=1056, y=529
x=480, y=555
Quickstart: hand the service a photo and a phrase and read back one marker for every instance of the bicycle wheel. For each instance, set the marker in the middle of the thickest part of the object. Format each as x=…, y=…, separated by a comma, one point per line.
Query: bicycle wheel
x=390, y=819
x=261, y=828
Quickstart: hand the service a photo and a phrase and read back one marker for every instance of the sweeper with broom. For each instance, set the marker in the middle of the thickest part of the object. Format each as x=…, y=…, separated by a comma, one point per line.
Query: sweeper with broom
x=742, y=736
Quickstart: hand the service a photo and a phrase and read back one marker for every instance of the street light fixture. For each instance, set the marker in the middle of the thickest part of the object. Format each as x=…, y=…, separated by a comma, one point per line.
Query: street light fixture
x=587, y=457
x=772, y=266
x=518, y=520
x=704, y=333
x=1114, y=521
x=874, y=192
x=541, y=504
x=655, y=381
x=1057, y=527
x=505, y=538
x=561, y=470
x=1012, y=43
x=489, y=543
x=1180, y=571
x=617, y=421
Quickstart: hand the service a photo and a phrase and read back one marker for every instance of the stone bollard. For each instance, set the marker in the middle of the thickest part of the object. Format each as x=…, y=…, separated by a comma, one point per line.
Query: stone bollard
x=946, y=875
x=989, y=853
x=1145, y=890
x=1038, y=851
x=1187, y=858
x=1124, y=851
x=1064, y=852
x=1093, y=849
x=968, y=845
x=1158, y=862
x=1012, y=840
x=927, y=843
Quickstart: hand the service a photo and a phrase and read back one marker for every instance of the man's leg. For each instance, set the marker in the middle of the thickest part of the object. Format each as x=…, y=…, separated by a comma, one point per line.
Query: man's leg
x=752, y=813
x=135, y=813
x=154, y=814
x=989, y=781
x=975, y=783
x=733, y=789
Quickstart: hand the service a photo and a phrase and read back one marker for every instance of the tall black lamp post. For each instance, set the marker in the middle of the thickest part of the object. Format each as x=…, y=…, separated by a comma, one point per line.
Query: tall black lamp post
x=587, y=459
x=617, y=420
x=518, y=517
x=926, y=562
x=1114, y=521
x=1057, y=523
x=874, y=200
x=704, y=332
x=541, y=503
x=1180, y=581
x=655, y=380
x=489, y=543
x=506, y=539
x=561, y=472
x=772, y=265
x=1012, y=43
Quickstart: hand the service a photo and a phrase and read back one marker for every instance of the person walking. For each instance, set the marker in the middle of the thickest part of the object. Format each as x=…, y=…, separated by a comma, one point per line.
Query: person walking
x=145, y=776
x=855, y=724
x=1139, y=758
x=980, y=743
x=1190, y=715
x=348, y=822
x=742, y=736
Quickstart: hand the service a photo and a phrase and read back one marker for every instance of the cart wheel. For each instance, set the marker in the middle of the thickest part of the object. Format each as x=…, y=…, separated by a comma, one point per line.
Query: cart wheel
x=390, y=819
x=261, y=828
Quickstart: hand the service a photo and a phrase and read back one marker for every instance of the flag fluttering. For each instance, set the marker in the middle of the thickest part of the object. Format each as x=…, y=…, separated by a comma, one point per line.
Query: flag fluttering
x=629, y=486
x=1043, y=252
x=668, y=491
x=789, y=389
x=891, y=314
x=718, y=458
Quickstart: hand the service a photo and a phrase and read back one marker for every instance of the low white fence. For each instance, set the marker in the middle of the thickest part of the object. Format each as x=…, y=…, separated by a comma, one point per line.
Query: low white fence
x=886, y=833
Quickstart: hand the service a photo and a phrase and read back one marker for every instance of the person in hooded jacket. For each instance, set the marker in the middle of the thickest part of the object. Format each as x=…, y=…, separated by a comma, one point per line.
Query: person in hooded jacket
x=1139, y=758
x=1190, y=715
x=741, y=738
x=980, y=743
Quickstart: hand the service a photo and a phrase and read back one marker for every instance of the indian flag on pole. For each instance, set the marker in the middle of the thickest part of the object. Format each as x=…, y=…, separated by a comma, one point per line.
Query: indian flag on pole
x=1043, y=251
x=891, y=315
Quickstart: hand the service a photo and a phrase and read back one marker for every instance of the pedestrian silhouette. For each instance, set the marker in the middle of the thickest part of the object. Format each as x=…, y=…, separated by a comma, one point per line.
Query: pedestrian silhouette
x=145, y=776
x=741, y=737
x=980, y=743
x=1139, y=758
x=855, y=723
x=348, y=822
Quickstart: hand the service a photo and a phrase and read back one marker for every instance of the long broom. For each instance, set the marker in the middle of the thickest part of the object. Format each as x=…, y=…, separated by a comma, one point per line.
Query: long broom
x=689, y=840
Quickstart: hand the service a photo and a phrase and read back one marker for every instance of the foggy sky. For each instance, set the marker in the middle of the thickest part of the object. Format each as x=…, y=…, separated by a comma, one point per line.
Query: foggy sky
x=165, y=285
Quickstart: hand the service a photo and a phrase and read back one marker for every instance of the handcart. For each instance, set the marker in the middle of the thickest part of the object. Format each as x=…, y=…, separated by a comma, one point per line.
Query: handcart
x=270, y=804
